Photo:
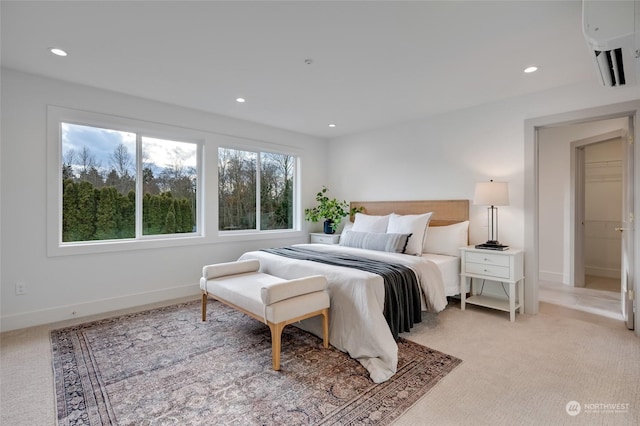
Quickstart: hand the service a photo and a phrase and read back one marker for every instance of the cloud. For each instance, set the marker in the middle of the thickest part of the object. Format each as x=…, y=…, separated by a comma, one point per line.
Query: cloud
x=101, y=143
x=166, y=153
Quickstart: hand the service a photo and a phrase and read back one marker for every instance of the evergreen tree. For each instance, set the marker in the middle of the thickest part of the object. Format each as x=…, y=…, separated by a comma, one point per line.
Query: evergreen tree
x=170, y=221
x=127, y=225
x=85, y=210
x=156, y=218
x=67, y=172
x=94, y=177
x=107, y=214
x=146, y=213
x=178, y=213
x=149, y=182
x=113, y=179
x=69, y=211
x=187, y=216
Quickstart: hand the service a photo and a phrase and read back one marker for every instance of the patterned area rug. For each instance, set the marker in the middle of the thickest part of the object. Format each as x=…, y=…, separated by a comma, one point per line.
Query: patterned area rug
x=167, y=367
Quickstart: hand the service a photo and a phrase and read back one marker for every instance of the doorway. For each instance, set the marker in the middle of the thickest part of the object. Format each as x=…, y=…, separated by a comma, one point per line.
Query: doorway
x=580, y=204
x=597, y=200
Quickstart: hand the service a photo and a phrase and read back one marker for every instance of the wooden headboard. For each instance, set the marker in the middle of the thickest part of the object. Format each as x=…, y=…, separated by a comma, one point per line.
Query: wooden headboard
x=445, y=212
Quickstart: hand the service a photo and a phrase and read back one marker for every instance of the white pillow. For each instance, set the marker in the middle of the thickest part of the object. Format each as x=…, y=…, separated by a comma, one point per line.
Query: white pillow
x=414, y=224
x=367, y=223
x=448, y=239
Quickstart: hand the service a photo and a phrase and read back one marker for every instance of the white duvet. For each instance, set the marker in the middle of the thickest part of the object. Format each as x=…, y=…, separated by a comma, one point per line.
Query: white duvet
x=357, y=324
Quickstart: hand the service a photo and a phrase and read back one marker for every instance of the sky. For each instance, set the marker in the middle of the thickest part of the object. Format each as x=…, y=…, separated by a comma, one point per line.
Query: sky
x=101, y=143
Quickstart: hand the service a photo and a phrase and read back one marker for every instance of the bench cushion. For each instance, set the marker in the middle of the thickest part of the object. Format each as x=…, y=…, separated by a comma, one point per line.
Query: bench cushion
x=243, y=290
x=276, y=292
x=296, y=306
x=265, y=296
x=230, y=268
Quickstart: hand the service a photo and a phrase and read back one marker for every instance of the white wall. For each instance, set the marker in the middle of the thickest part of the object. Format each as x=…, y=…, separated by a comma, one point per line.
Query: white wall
x=555, y=193
x=86, y=284
x=603, y=208
x=443, y=156
x=440, y=157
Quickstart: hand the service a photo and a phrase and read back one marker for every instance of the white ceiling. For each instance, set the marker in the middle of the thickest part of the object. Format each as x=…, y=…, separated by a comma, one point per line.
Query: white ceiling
x=374, y=63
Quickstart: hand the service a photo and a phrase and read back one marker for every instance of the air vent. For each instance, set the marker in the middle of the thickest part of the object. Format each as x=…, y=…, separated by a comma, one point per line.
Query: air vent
x=612, y=32
x=611, y=67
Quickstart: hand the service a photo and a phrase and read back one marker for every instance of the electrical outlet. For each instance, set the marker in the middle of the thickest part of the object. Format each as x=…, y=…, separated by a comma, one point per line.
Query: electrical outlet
x=21, y=288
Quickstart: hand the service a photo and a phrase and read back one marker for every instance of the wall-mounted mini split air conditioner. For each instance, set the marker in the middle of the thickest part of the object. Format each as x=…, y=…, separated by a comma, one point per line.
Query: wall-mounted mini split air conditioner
x=612, y=31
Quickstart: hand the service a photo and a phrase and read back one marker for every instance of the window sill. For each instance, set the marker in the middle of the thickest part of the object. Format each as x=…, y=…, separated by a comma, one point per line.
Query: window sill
x=95, y=247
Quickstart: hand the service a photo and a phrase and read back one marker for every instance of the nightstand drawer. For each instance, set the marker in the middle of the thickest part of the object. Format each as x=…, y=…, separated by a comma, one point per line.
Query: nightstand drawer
x=317, y=238
x=487, y=269
x=487, y=258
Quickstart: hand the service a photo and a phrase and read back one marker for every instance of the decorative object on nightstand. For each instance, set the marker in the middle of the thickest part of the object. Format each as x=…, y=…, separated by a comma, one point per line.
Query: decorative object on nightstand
x=492, y=194
x=319, y=238
x=505, y=267
x=330, y=210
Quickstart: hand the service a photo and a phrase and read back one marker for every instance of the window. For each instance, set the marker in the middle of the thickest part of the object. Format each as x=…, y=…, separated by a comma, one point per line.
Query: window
x=169, y=187
x=119, y=184
x=247, y=179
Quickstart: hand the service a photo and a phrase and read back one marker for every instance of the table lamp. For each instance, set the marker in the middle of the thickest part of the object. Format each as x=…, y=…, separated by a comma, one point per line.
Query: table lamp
x=492, y=194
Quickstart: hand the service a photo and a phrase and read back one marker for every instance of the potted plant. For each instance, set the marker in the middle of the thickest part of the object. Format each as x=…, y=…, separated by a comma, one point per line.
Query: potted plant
x=330, y=210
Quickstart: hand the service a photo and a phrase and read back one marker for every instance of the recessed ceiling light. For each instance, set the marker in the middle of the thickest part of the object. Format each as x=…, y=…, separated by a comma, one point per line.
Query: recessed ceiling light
x=57, y=51
x=332, y=125
x=531, y=69
x=240, y=100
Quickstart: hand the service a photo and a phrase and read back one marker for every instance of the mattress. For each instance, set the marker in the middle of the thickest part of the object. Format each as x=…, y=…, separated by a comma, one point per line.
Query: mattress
x=449, y=266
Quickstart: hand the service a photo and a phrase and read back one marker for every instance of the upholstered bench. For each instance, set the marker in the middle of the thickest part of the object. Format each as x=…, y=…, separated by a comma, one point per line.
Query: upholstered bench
x=274, y=301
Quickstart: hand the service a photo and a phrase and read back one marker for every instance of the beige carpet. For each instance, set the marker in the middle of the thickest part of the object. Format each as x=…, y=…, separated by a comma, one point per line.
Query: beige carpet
x=521, y=373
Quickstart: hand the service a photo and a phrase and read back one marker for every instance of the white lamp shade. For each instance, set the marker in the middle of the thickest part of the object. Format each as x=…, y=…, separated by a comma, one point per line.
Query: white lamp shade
x=491, y=194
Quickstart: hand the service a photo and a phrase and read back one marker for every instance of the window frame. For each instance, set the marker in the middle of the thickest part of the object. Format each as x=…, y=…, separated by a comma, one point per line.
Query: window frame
x=207, y=178
x=297, y=211
x=58, y=115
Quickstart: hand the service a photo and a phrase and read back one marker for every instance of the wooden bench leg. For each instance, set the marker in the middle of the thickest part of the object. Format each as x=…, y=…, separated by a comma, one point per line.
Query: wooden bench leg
x=276, y=343
x=325, y=328
x=204, y=306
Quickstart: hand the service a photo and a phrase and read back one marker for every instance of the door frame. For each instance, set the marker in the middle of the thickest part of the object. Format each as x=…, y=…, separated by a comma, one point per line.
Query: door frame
x=531, y=190
x=577, y=196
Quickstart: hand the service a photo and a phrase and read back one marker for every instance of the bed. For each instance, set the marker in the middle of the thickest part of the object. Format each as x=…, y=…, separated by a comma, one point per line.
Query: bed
x=357, y=323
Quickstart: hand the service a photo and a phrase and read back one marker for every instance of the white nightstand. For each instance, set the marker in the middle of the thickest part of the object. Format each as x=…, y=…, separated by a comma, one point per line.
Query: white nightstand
x=502, y=266
x=319, y=238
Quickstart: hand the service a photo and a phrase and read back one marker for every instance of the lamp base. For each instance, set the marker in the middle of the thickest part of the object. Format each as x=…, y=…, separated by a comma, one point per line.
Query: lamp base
x=492, y=245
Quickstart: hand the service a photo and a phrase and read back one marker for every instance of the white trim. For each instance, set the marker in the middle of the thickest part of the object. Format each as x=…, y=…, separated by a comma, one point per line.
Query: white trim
x=79, y=310
x=553, y=277
x=531, y=199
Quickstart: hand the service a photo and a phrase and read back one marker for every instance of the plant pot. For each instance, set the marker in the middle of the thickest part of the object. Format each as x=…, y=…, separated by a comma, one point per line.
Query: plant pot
x=328, y=227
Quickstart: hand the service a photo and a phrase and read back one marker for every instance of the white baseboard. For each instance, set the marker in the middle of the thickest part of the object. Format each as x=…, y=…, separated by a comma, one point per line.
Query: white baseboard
x=66, y=312
x=553, y=277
